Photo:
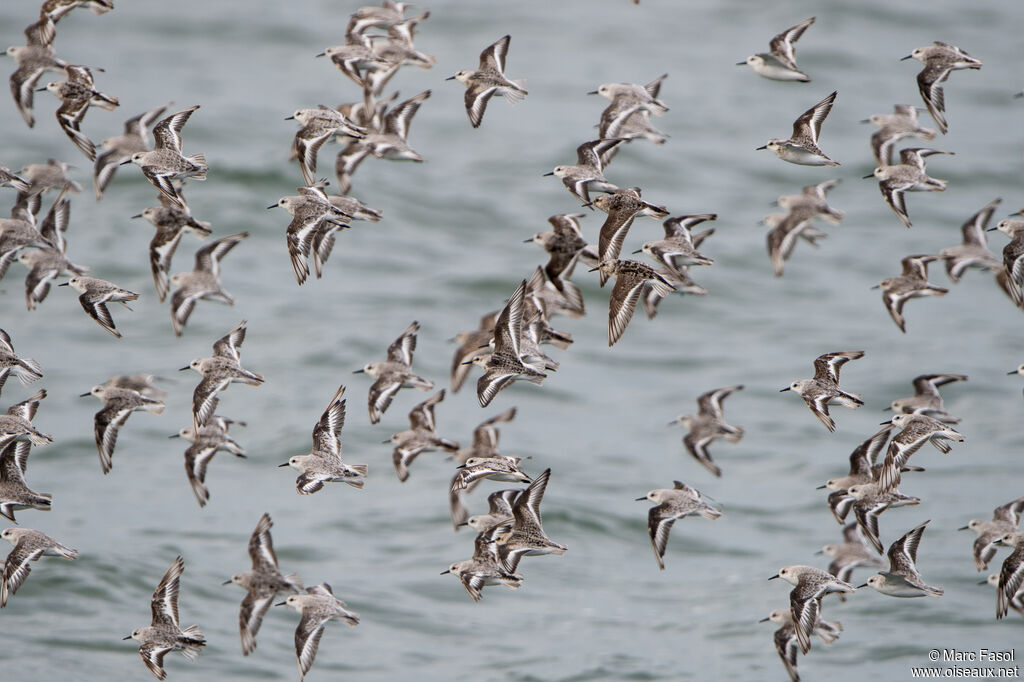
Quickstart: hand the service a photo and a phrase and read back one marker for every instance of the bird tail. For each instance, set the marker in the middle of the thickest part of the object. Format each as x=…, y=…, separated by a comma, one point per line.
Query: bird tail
x=194, y=642
x=516, y=94
x=27, y=371
x=199, y=160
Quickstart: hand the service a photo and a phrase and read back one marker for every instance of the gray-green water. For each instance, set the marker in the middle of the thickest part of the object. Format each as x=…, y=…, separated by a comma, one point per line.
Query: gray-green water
x=448, y=250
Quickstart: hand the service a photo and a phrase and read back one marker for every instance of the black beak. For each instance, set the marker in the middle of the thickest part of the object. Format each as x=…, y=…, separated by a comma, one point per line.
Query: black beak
x=774, y=577
x=124, y=638
x=860, y=586
x=125, y=163
x=743, y=64
x=85, y=395
x=282, y=465
x=450, y=78
x=385, y=442
x=821, y=487
x=280, y=603
x=909, y=56
x=65, y=284
x=877, y=286
x=445, y=571
x=322, y=54
x=884, y=423
x=964, y=528
x=637, y=251
x=271, y=206
x=527, y=241
x=43, y=89
x=1013, y=372
x=547, y=174
x=783, y=390
x=182, y=369
x=464, y=523
x=592, y=92
x=594, y=269
x=983, y=582
x=763, y=620
x=359, y=371
x=137, y=215
x=760, y=148
x=820, y=551
x=226, y=582
x=640, y=499
x=289, y=118
x=175, y=436
x=864, y=120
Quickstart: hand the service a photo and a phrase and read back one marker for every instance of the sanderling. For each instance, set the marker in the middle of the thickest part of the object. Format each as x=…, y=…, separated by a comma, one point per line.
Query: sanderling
x=629, y=114
x=323, y=463
x=862, y=461
x=926, y=398
x=779, y=64
x=219, y=371
x=95, y=294
x=781, y=238
x=203, y=282
x=1016, y=602
x=917, y=429
x=55, y=9
x=786, y=641
x=43, y=177
x=394, y=373
x=26, y=369
x=707, y=426
x=9, y=178
x=902, y=578
x=1011, y=278
x=505, y=364
x=907, y=176
x=317, y=606
x=1011, y=576
x=391, y=141
x=314, y=221
x=164, y=634
x=482, y=569
x=143, y=383
x=869, y=501
x=852, y=553
x=385, y=16
x=642, y=97
x=894, y=127
x=29, y=545
x=810, y=585
x=813, y=202
x=802, y=147
x=673, y=504
x=16, y=233
x=630, y=277
x=166, y=162
x=34, y=58
x=499, y=511
x=421, y=436
x=16, y=424
x=973, y=251
x=46, y=264
x=911, y=283
x=823, y=389
x=527, y=537
x=1005, y=519
x=355, y=57
x=118, y=404
x=318, y=126
x=471, y=344
x=557, y=295
x=496, y=467
x=204, y=443
x=485, y=444
x=938, y=62
x=488, y=80
x=261, y=584
x=120, y=149
x=170, y=222
x=676, y=249
x=14, y=491
x=588, y=174
x=77, y=94
x=354, y=209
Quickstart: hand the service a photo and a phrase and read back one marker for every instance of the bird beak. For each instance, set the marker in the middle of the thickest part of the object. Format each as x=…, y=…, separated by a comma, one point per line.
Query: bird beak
x=820, y=551
x=860, y=586
x=282, y=465
x=527, y=241
x=445, y=571
x=125, y=163
x=909, y=56
x=964, y=528
x=983, y=582
x=594, y=269
x=65, y=284
x=743, y=64
x=385, y=442
x=992, y=229
x=271, y=206
x=547, y=174
x=124, y=638
x=280, y=603
x=137, y=215
x=868, y=177
x=760, y=148
x=359, y=371
x=592, y=92
x=886, y=409
x=1013, y=372
x=774, y=577
x=289, y=118
x=450, y=78
x=640, y=499
x=175, y=436
x=322, y=54
x=226, y=582
x=763, y=620
x=85, y=395
x=821, y=487
x=783, y=390
x=43, y=89
x=464, y=523
x=884, y=423
x=864, y=120
x=182, y=369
